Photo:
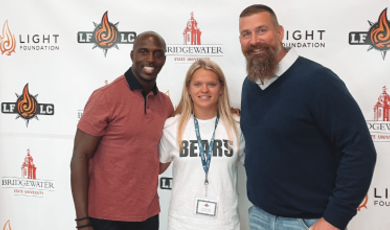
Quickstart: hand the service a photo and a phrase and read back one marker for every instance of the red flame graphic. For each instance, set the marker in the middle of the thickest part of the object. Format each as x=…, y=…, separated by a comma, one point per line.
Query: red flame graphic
x=7, y=226
x=27, y=104
x=380, y=33
x=106, y=33
x=7, y=41
x=363, y=204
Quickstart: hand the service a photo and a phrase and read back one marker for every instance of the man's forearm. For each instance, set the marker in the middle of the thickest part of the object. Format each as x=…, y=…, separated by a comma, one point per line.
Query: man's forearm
x=79, y=182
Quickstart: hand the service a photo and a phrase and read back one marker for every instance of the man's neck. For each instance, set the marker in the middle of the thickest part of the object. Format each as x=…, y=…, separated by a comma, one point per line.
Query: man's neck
x=147, y=86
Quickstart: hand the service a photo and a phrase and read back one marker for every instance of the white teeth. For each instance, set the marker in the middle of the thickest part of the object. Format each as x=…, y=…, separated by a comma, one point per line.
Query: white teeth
x=149, y=68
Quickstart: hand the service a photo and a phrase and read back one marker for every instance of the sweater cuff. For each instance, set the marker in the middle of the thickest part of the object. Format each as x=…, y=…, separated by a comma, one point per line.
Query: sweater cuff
x=337, y=216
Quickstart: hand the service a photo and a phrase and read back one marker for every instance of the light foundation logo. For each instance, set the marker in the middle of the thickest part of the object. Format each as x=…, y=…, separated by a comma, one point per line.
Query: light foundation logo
x=106, y=35
x=377, y=37
x=380, y=126
x=304, y=38
x=193, y=47
x=7, y=40
x=27, y=106
x=381, y=197
x=27, y=184
x=27, y=42
x=7, y=225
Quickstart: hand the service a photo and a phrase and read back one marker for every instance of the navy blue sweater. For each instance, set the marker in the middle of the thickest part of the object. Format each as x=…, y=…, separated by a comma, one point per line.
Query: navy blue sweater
x=308, y=150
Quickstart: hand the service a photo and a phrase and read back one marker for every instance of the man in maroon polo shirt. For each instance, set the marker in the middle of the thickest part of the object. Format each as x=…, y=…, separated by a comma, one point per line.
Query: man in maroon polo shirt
x=115, y=163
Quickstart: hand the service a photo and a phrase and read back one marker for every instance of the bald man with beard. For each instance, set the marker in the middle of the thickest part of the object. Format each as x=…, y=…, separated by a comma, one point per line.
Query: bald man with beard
x=309, y=155
x=115, y=163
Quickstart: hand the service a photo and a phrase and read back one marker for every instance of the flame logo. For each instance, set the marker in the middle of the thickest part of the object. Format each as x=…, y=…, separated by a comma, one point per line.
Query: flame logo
x=363, y=204
x=380, y=33
x=27, y=104
x=106, y=33
x=7, y=40
x=7, y=226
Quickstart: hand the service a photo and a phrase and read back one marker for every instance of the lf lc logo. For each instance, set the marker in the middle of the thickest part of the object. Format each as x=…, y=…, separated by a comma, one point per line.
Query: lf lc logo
x=166, y=183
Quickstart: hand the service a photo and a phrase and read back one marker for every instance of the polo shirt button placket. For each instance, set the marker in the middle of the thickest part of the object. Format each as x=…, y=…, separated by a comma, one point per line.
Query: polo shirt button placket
x=148, y=111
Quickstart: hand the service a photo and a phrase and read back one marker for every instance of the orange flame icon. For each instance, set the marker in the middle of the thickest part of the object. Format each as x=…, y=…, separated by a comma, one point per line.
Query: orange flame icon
x=7, y=226
x=27, y=104
x=363, y=204
x=7, y=41
x=106, y=33
x=380, y=33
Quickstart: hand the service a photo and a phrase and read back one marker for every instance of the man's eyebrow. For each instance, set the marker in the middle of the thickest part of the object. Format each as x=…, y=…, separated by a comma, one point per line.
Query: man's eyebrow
x=244, y=30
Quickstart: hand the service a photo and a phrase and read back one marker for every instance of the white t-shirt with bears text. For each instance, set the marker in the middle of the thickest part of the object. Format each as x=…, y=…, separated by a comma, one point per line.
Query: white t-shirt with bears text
x=189, y=176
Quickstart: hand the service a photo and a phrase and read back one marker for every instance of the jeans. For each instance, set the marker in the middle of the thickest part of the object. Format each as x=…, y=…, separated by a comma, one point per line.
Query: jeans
x=262, y=220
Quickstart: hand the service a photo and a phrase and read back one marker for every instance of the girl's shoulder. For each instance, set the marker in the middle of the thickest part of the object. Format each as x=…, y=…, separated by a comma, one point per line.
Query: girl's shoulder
x=171, y=121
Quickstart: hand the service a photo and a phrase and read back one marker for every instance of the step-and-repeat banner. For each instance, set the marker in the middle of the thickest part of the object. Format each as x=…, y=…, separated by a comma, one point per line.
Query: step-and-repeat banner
x=51, y=58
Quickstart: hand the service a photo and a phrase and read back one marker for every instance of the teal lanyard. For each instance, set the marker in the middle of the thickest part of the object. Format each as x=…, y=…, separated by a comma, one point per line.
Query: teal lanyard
x=205, y=162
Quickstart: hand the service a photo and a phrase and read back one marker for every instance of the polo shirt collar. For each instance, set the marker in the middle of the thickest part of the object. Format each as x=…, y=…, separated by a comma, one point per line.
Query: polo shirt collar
x=134, y=84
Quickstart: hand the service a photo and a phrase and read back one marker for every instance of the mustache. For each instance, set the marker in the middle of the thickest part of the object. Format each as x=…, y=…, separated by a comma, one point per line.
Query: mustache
x=257, y=46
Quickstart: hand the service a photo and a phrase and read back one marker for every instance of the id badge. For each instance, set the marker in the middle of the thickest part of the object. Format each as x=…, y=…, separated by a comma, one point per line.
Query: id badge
x=206, y=206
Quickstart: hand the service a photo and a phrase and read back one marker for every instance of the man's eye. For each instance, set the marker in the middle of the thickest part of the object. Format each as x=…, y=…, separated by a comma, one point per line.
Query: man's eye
x=246, y=34
x=158, y=54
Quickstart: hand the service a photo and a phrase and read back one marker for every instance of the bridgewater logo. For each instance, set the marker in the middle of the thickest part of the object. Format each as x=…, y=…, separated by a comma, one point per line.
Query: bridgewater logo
x=380, y=126
x=28, y=168
x=27, y=107
x=27, y=184
x=378, y=36
x=192, y=48
x=7, y=41
x=106, y=35
x=191, y=34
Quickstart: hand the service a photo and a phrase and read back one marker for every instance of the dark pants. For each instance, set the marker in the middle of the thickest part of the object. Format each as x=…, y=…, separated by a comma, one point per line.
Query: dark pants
x=149, y=224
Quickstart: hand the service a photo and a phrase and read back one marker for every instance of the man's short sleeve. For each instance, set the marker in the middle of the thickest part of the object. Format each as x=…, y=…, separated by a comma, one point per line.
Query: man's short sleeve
x=96, y=115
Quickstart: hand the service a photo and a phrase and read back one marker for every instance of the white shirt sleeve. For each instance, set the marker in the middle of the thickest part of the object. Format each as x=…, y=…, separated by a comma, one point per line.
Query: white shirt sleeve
x=167, y=144
x=165, y=149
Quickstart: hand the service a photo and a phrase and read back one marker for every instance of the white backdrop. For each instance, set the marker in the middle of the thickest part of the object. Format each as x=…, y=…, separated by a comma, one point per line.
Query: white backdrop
x=45, y=44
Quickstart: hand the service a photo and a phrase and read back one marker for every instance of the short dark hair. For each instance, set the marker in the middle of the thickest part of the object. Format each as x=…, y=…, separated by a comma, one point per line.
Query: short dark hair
x=258, y=8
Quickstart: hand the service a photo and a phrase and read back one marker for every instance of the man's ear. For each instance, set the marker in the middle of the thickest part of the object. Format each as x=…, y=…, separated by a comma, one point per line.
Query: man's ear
x=281, y=33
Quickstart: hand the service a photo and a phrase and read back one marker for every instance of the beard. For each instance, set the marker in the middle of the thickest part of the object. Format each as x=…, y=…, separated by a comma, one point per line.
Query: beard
x=261, y=66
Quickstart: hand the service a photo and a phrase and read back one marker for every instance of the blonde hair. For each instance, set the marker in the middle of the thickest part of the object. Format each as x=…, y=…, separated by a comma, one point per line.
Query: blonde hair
x=186, y=106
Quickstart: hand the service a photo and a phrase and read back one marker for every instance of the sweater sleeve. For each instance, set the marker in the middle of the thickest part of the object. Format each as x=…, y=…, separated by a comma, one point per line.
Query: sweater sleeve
x=338, y=116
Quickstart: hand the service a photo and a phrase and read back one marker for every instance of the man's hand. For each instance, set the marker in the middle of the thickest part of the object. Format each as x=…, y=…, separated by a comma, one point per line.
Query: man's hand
x=322, y=224
x=235, y=111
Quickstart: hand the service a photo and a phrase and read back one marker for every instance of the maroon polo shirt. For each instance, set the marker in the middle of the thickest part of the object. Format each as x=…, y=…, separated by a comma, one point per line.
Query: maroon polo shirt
x=123, y=173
